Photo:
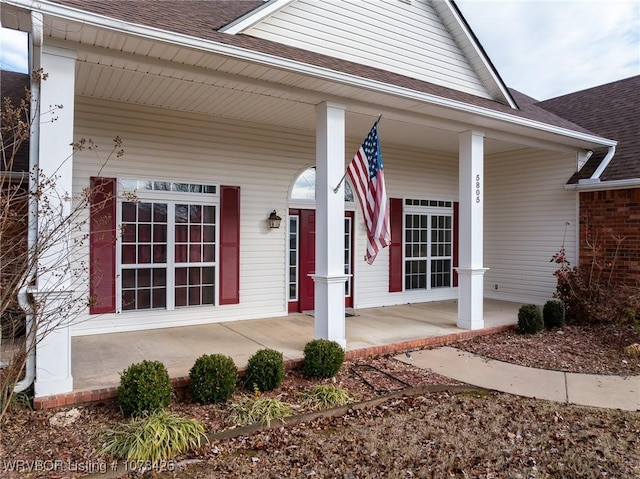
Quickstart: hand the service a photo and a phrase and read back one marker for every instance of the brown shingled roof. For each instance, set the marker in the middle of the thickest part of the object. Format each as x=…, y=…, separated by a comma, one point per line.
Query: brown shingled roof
x=202, y=19
x=611, y=111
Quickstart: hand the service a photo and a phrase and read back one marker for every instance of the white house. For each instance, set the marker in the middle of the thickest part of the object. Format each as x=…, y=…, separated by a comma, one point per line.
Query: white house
x=231, y=110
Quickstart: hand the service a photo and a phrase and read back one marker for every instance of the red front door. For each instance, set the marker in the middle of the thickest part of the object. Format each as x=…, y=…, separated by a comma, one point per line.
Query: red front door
x=307, y=259
x=302, y=259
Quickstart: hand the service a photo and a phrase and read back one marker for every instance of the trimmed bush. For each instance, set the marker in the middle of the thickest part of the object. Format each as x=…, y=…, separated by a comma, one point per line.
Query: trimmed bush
x=144, y=388
x=265, y=370
x=213, y=378
x=553, y=314
x=530, y=319
x=322, y=358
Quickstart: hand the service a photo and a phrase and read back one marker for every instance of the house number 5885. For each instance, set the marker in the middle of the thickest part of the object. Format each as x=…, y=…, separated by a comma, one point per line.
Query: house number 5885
x=477, y=188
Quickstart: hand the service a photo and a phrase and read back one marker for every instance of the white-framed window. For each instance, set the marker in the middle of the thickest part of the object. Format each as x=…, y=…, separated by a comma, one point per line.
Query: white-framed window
x=428, y=244
x=168, y=247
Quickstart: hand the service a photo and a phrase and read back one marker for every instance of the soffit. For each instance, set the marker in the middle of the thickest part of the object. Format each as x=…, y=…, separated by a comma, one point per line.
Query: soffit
x=123, y=67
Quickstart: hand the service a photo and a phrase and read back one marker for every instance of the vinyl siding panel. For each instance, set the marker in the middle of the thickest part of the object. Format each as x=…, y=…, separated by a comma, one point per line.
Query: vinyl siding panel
x=262, y=161
x=407, y=38
x=409, y=173
x=525, y=211
x=526, y=214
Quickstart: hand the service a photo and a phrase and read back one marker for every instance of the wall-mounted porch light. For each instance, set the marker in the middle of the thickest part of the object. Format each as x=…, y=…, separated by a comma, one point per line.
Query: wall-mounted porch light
x=274, y=220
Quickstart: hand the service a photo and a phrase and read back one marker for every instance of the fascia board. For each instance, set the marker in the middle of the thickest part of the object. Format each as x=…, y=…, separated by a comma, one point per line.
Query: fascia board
x=155, y=34
x=250, y=19
x=474, y=45
x=605, y=185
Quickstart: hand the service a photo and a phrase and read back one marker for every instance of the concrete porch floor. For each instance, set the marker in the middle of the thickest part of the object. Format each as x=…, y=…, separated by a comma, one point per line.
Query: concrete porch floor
x=97, y=360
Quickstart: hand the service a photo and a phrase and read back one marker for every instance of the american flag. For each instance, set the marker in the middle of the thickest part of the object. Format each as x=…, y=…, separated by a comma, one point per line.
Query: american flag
x=367, y=177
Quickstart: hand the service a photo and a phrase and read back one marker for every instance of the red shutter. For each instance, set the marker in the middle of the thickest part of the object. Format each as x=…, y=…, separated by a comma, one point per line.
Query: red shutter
x=395, y=248
x=456, y=210
x=102, y=245
x=229, y=245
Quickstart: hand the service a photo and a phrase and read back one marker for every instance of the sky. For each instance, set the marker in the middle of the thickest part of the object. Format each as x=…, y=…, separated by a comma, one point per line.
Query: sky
x=542, y=48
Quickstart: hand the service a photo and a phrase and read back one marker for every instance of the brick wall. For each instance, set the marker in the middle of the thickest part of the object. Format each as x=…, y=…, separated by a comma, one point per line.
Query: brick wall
x=610, y=221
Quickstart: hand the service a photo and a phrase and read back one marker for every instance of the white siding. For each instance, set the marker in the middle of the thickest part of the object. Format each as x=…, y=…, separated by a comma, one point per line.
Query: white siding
x=526, y=212
x=408, y=38
x=408, y=173
x=263, y=161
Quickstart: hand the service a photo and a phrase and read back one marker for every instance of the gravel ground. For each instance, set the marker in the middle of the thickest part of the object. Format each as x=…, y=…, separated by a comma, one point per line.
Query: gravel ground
x=440, y=434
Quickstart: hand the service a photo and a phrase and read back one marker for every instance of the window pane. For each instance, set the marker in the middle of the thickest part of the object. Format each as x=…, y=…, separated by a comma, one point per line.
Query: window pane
x=159, y=277
x=208, y=275
x=160, y=213
x=144, y=233
x=194, y=275
x=182, y=213
x=159, y=233
x=128, y=278
x=129, y=212
x=195, y=254
x=128, y=233
x=194, y=296
x=144, y=212
x=129, y=254
x=208, y=295
x=128, y=300
x=182, y=232
x=181, y=253
x=195, y=214
x=144, y=278
x=181, y=276
x=195, y=233
x=160, y=253
x=208, y=253
x=144, y=299
x=144, y=254
x=209, y=234
x=181, y=297
x=159, y=298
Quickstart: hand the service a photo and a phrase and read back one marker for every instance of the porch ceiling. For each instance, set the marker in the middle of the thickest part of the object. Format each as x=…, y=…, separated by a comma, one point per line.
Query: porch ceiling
x=119, y=67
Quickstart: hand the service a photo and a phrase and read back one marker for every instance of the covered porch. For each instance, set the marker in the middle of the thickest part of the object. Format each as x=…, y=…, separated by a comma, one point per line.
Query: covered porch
x=97, y=360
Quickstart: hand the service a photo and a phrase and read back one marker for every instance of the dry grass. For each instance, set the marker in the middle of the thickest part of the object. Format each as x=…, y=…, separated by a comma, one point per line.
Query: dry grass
x=437, y=436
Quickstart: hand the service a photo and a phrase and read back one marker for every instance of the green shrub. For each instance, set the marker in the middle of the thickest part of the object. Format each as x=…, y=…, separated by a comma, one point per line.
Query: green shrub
x=258, y=409
x=144, y=388
x=265, y=370
x=530, y=319
x=324, y=396
x=322, y=358
x=213, y=378
x=152, y=439
x=553, y=314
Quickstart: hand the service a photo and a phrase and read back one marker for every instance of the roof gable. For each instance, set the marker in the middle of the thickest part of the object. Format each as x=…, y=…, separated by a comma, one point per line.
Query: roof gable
x=419, y=39
x=613, y=111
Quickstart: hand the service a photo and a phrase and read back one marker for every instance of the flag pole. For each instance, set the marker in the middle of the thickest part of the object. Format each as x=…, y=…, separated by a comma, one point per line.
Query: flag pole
x=335, y=190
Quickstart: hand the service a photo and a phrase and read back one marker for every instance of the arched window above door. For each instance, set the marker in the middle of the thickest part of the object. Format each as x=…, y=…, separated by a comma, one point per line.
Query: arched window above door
x=304, y=189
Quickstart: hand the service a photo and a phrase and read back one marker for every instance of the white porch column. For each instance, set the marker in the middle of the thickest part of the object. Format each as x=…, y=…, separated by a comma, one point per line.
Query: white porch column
x=53, y=350
x=329, y=279
x=471, y=228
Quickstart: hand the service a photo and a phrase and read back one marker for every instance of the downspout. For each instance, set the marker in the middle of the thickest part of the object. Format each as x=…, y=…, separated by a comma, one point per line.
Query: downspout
x=595, y=177
x=24, y=297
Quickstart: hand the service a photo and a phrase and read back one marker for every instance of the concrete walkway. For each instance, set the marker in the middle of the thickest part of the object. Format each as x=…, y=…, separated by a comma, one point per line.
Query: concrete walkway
x=595, y=390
